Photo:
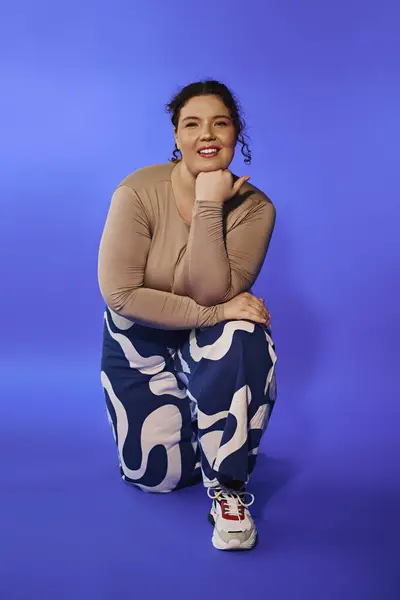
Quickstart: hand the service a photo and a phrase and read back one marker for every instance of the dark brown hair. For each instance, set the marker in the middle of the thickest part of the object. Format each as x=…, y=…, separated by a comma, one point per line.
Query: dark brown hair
x=205, y=88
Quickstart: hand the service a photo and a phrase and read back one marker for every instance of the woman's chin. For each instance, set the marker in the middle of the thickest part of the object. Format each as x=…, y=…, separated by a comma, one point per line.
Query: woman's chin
x=212, y=164
x=199, y=164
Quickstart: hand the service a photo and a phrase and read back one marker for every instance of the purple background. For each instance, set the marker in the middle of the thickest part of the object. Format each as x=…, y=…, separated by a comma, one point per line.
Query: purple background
x=84, y=88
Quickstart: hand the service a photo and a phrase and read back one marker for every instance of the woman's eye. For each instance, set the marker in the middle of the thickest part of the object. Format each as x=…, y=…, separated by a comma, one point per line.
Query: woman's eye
x=223, y=123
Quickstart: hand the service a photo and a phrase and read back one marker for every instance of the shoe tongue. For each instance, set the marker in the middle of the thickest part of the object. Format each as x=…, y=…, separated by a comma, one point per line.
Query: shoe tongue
x=233, y=493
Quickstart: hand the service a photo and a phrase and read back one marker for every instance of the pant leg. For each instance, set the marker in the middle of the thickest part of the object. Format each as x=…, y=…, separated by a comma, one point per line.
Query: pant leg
x=230, y=371
x=148, y=408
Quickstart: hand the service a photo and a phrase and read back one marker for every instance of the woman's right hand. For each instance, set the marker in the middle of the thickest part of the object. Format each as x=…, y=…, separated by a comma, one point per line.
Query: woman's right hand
x=248, y=307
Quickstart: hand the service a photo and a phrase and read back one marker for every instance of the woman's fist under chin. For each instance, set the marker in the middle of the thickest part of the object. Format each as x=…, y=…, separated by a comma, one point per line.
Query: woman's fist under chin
x=217, y=186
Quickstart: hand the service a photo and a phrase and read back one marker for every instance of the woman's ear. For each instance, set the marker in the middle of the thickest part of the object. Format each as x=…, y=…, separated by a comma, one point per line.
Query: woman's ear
x=176, y=139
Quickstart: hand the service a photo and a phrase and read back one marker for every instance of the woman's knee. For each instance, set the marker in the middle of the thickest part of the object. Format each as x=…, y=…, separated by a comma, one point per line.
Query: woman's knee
x=165, y=487
x=248, y=334
x=230, y=339
x=157, y=462
x=157, y=472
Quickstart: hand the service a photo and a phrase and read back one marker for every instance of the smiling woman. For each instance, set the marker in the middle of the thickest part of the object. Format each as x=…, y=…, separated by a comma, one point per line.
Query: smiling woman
x=188, y=361
x=205, y=134
x=217, y=94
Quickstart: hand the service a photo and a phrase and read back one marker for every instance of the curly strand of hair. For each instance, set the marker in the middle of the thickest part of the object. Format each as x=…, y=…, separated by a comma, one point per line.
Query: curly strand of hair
x=175, y=155
x=245, y=150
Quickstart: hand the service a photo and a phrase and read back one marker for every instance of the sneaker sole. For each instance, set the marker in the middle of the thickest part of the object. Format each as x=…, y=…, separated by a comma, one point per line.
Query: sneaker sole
x=233, y=545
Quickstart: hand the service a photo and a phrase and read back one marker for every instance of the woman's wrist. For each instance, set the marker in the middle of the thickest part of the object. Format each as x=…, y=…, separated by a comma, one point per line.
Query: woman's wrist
x=211, y=315
x=220, y=313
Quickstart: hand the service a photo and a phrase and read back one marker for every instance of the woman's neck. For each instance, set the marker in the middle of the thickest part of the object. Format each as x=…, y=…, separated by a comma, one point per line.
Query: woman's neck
x=185, y=182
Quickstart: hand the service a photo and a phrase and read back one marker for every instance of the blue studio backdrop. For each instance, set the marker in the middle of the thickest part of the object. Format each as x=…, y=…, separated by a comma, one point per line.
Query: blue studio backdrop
x=84, y=88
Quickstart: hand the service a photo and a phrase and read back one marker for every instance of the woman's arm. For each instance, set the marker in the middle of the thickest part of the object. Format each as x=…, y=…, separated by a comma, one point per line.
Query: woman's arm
x=216, y=269
x=123, y=254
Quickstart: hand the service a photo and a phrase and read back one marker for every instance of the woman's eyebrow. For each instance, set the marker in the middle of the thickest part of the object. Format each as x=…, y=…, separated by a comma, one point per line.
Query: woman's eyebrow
x=214, y=117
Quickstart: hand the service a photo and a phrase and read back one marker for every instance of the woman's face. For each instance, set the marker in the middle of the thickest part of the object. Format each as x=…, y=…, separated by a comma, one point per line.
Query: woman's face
x=205, y=122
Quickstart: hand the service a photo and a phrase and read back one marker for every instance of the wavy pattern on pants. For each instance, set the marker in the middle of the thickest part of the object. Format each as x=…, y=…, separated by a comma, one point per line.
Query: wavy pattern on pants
x=201, y=398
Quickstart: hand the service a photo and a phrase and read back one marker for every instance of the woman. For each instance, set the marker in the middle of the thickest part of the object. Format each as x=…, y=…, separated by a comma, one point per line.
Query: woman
x=188, y=360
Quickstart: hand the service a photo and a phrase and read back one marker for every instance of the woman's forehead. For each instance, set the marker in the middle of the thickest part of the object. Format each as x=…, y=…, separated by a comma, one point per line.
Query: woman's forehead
x=204, y=106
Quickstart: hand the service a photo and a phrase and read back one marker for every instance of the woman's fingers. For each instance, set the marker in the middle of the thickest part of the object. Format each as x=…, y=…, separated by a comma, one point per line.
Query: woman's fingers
x=261, y=301
x=264, y=314
x=259, y=305
x=254, y=309
x=253, y=315
x=256, y=315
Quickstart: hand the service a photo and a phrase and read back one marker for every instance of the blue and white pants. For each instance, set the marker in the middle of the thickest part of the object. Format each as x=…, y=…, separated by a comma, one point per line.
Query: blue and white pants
x=186, y=404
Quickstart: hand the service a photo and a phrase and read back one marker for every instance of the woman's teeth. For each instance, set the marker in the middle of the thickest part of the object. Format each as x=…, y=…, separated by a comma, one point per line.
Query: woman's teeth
x=208, y=152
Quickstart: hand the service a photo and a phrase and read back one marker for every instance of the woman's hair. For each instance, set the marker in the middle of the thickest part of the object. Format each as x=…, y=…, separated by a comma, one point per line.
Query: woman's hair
x=206, y=88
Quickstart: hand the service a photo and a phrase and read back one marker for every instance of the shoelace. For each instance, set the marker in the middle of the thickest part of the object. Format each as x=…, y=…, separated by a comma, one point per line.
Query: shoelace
x=232, y=498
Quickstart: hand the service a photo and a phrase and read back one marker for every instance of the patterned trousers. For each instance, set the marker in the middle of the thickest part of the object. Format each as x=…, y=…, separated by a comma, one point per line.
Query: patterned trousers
x=187, y=404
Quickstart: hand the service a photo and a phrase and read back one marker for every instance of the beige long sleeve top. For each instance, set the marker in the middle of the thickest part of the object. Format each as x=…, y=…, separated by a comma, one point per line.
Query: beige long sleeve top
x=158, y=270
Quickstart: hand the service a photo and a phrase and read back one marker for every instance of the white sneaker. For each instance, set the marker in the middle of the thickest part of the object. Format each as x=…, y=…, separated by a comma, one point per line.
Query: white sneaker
x=234, y=528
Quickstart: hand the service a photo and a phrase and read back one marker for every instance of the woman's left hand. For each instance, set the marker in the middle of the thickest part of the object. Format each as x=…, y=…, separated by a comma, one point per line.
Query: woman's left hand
x=217, y=186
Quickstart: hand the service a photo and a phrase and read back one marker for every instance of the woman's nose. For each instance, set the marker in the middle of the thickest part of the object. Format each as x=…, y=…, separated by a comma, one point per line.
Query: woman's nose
x=207, y=133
